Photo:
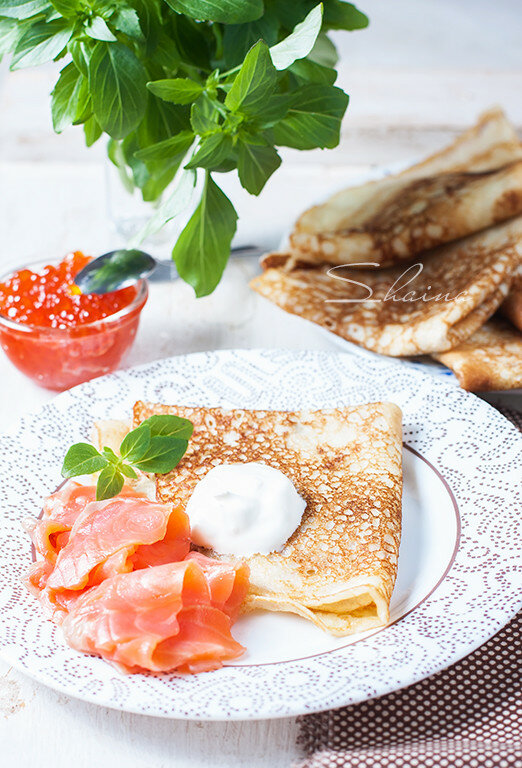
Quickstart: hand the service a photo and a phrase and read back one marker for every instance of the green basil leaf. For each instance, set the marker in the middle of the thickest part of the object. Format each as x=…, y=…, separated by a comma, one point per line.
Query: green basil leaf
x=174, y=147
x=82, y=459
x=239, y=38
x=68, y=98
x=170, y=425
x=140, y=172
x=340, y=15
x=255, y=165
x=110, y=455
x=203, y=116
x=192, y=41
x=41, y=43
x=117, y=157
x=128, y=471
x=126, y=20
x=212, y=152
x=135, y=443
x=166, y=54
x=314, y=118
x=162, y=455
x=97, y=29
x=9, y=35
x=150, y=20
x=22, y=9
x=275, y=109
x=300, y=42
x=92, y=131
x=225, y=11
x=324, y=51
x=254, y=83
x=177, y=90
x=84, y=111
x=157, y=182
x=67, y=8
x=117, y=81
x=162, y=120
x=202, y=250
x=177, y=202
x=80, y=53
x=110, y=482
x=307, y=72
x=152, y=175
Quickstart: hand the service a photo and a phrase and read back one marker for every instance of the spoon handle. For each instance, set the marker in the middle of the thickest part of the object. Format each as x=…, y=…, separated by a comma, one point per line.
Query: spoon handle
x=165, y=271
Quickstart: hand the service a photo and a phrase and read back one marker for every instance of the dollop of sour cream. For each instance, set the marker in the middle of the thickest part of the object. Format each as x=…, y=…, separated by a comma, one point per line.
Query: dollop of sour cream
x=244, y=509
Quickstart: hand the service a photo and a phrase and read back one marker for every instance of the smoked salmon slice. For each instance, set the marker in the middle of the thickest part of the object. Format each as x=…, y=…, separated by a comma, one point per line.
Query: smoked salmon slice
x=55, y=604
x=36, y=578
x=158, y=619
x=119, y=577
x=228, y=582
x=103, y=538
x=60, y=510
x=107, y=533
x=172, y=547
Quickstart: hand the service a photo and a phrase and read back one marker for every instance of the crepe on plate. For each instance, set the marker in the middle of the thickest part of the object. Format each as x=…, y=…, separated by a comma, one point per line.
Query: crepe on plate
x=471, y=277
x=491, y=359
x=470, y=185
x=338, y=569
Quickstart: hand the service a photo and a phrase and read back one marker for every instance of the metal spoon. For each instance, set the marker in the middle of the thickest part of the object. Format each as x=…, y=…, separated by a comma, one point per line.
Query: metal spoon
x=121, y=268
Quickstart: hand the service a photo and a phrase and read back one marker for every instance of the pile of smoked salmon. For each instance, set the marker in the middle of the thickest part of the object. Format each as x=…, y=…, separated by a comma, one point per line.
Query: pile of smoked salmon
x=119, y=577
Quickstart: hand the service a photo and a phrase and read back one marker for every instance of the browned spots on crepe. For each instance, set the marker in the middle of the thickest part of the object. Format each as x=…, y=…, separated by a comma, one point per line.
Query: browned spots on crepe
x=338, y=569
x=512, y=306
x=463, y=282
x=491, y=359
x=470, y=185
x=418, y=215
x=509, y=204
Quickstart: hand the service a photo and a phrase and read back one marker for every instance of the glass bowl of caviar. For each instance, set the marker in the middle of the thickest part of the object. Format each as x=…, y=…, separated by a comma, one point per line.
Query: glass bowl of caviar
x=58, y=336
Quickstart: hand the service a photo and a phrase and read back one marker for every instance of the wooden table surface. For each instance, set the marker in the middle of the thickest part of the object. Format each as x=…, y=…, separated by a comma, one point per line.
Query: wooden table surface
x=421, y=73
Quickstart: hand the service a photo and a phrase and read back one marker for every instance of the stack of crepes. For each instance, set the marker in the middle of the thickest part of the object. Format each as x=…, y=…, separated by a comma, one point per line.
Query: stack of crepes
x=419, y=262
x=119, y=578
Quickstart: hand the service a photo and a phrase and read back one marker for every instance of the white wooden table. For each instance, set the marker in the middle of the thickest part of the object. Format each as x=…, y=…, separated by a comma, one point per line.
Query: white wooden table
x=420, y=74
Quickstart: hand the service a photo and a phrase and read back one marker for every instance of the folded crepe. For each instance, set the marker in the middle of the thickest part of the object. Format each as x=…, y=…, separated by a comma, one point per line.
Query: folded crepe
x=339, y=567
x=511, y=307
x=468, y=186
x=489, y=360
x=428, y=307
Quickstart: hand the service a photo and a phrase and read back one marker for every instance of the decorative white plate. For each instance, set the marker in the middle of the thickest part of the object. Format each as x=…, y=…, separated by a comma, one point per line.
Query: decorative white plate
x=458, y=564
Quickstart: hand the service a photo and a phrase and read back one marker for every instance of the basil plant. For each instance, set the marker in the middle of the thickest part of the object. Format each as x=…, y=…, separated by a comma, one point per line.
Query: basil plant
x=183, y=85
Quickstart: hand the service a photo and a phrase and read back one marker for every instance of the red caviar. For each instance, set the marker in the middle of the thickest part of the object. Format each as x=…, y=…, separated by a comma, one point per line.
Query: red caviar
x=59, y=336
x=49, y=299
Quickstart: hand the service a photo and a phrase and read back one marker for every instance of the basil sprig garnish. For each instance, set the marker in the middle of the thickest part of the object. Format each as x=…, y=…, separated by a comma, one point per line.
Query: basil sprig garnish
x=157, y=446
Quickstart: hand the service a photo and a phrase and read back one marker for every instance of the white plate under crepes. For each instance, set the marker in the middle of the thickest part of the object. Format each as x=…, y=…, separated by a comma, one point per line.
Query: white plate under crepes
x=459, y=564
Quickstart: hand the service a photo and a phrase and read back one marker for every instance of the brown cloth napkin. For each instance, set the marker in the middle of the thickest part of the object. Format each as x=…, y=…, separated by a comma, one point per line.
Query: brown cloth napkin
x=467, y=716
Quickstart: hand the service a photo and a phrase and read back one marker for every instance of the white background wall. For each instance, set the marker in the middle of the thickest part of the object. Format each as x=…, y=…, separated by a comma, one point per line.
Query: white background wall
x=437, y=34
